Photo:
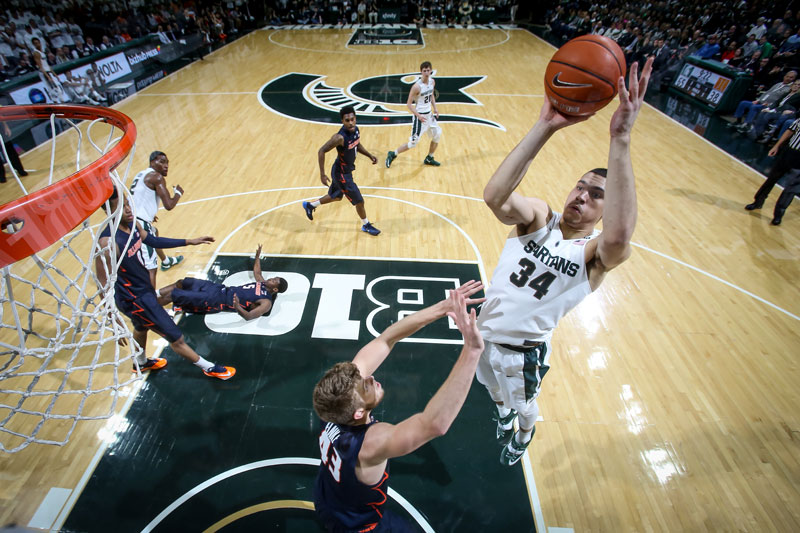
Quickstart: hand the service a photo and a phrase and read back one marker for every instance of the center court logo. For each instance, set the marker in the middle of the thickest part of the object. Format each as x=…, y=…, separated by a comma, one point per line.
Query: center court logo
x=306, y=97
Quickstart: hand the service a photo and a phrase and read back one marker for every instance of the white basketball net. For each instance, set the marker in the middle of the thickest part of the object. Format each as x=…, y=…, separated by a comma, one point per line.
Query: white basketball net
x=60, y=361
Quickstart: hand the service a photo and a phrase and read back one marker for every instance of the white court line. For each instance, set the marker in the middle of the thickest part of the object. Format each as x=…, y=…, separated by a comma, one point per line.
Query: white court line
x=198, y=94
x=479, y=260
x=267, y=463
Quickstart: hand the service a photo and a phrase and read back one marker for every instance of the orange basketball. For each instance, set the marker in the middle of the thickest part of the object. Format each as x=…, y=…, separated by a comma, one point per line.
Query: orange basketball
x=581, y=78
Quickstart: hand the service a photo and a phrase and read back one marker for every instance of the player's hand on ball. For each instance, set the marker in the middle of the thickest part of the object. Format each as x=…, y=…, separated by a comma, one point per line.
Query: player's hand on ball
x=630, y=99
x=556, y=120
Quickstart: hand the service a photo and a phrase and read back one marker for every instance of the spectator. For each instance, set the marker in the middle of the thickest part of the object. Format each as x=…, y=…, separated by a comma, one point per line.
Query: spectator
x=759, y=28
x=729, y=52
x=772, y=116
x=372, y=13
x=465, y=13
x=162, y=36
x=91, y=47
x=766, y=47
x=775, y=93
x=710, y=50
x=750, y=46
x=362, y=11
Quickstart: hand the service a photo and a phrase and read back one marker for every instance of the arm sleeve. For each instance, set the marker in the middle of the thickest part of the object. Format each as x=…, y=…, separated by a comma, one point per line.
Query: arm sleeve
x=163, y=242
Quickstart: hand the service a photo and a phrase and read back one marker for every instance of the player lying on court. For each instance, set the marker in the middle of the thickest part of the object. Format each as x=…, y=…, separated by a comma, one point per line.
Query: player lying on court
x=352, y=481
x=135, y=296
x=200, y=296
x=551, y=261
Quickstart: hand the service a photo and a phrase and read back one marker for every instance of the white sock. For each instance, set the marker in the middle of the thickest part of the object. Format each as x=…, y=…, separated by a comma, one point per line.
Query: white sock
x=503, y=411
x=523, y=436
x=158, y=293
x=315, y=203
x=141, y=359
x=365, y=221
x=205, y=365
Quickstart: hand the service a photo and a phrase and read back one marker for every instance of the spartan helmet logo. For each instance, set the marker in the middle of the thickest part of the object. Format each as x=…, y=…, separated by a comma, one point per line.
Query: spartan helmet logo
x=306, y=97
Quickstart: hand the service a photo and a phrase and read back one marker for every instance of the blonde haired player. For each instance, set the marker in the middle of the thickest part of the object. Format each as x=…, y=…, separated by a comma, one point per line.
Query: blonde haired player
x=425, y=116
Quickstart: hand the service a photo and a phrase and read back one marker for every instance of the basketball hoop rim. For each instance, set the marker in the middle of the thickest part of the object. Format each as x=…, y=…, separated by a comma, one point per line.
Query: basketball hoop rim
x=50, y=213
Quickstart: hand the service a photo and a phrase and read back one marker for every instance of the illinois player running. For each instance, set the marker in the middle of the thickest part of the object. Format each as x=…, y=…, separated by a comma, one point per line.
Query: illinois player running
x=353, y=477
x=347, y=142
x=250, y=300
x=551, y=261
x=135, y=296
x=422, y=104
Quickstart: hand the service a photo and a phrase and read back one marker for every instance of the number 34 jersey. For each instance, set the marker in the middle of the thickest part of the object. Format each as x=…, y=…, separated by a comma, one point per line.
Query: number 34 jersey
x=539, y=278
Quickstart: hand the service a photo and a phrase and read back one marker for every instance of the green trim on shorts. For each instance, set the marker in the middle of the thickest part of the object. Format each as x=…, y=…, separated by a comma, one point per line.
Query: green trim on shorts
x=534, y=359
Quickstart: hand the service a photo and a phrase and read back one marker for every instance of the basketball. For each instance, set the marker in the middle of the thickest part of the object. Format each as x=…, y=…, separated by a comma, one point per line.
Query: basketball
x=582, y=75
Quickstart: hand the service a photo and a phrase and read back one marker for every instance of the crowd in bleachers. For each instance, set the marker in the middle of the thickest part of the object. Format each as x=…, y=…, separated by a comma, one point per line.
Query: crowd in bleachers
x=73, y=29
x=758, y=36
x=419, y=12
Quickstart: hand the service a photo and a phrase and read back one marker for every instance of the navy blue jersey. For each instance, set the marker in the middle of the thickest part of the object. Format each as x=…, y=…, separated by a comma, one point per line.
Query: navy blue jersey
x=342, y=501
x=134, y=294
x=203, y=296
x=133, y=279
x=346, y=158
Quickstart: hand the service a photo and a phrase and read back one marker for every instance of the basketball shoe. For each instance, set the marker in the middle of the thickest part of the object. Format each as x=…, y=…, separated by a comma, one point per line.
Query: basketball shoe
x=152, y=364
x=369, y=228
x=170, y=262
x=513, y=451
x=221, y=372
x=391, y=156
x=503, y=422
x=429, y=160
x=309, y=209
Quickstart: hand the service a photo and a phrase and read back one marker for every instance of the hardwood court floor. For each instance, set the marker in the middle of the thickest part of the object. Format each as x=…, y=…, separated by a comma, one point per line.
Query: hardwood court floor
x=672, y=402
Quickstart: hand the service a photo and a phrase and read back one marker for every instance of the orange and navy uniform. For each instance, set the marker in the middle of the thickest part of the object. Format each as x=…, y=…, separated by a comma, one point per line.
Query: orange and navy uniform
x=206, y=297
x=133, y=291
x=343, y=503
x=342, y=170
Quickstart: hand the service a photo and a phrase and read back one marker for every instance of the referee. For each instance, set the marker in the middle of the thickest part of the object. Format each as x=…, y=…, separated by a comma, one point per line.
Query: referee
x=788, y=159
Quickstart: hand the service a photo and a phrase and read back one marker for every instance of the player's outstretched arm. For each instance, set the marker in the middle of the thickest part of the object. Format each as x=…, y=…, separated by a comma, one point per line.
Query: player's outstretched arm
x=333, y=142
x=508, y=206
x=257, y=265
x=371, y=356
x=619, y=211
x=384, y=441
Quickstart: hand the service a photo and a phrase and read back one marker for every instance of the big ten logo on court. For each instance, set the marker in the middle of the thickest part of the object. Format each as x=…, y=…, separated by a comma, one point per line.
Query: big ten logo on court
x=345, y=299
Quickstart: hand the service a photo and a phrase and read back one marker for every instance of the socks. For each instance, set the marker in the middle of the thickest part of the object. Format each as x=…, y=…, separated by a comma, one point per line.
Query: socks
x=205, y=365
x=503, y=411
x=315, y=203
x=524, y=437
x=365, y=221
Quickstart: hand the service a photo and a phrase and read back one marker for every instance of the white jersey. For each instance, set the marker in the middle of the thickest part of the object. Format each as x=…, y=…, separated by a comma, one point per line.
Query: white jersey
x=539, y=278
x=144, y=198
x=425, y=95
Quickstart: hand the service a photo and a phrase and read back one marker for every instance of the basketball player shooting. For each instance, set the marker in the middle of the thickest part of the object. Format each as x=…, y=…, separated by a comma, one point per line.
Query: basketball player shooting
x=551, y=261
